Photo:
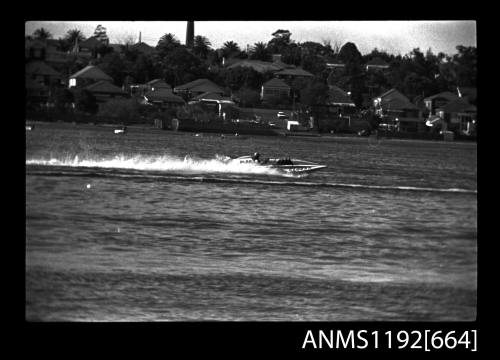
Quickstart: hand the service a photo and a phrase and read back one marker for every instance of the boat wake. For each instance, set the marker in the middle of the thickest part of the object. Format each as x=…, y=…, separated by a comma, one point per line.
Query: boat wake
x=174, y=169
x=165, y=163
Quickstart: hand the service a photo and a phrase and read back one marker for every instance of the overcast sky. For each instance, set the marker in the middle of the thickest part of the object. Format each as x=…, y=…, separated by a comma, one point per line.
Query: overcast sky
x=398, y=37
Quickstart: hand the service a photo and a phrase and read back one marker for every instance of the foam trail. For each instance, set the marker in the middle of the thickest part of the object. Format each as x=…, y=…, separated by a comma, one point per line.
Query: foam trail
x=219, y=164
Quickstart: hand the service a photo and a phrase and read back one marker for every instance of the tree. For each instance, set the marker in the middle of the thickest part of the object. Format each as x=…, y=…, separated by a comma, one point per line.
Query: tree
x=349, y=53
x=126, y=109
x=230, y=49
x=42, y=34
x=101, y=35
x=314, y=93
x=281, y=40
x=71, y=38
x=167, y=43
x=180, y=66
x=241, y=77
x=62, y=98
x=260, y=52
x=201, y=46
x=85, y=102
x=248, y=97
x=113, y=65
x=465, y=63
x=143, y=69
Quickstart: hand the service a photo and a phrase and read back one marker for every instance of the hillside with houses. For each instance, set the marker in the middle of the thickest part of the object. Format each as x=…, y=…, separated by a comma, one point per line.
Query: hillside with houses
x=278, y=86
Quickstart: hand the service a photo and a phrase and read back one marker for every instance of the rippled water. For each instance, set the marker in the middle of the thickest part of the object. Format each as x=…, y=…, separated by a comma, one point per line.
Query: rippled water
x=154, y=225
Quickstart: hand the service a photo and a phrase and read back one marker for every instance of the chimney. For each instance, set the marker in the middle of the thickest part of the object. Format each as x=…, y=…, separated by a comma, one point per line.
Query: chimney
x=139, y=37
x=190, y=34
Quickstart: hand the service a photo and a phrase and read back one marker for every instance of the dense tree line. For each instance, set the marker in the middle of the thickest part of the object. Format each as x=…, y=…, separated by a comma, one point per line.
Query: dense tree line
x=416, y=74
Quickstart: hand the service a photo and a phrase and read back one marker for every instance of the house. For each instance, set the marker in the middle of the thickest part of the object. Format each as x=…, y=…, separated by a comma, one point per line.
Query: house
x=215, y=101
x=162, y=97
x=47, y=51
x=257, y=65
x=437, y=101
x=458, y=115
x=42, y=73
x=34, y=49
x=158, y=84
x=88, y=75
x=338, y=97
x=291, y=74
x=143, y=48
x=36, y=93
x=40, y=79
x=212, y=96
x=88, y=47
x=275, y=88
x=104, y=90
x=335, y=65
x=468, y=92
x=376, y=64
x=277, y=61
x=395, y=109
x=155, y=84
x=198, y=87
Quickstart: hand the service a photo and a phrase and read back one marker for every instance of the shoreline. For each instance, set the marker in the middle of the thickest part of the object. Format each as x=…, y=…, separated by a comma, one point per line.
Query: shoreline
x=282, y=133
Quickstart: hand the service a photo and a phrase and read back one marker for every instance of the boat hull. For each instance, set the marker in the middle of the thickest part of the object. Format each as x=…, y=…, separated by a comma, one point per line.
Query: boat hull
x=291, y=166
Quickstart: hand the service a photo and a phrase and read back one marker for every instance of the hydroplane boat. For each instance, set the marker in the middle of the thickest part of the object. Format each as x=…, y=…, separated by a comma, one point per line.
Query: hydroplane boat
x=287, y=165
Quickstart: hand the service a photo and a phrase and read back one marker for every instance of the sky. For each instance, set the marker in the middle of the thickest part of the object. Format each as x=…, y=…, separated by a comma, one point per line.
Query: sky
x=397, y=37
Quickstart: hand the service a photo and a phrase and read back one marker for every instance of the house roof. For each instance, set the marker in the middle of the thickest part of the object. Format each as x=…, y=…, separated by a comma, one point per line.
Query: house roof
x=376, y=61
x=399, y=104
x=41, y=68
x=34, y=85
x=34, y=43
x=294, y=72
x=334, y=63
x=143, y=48
x=459, y=105
x=91, y=72
x=159, y=83
x=469, y=92
x=201, y=86
x=276, y=83
x=257, y=65
x=395, y=100
x=117, y=48
x=390, y=93
x=337, y=96
x=210, y=96
x=91, y=42
x=443, y=95
x=164, y=95
x=104, y=86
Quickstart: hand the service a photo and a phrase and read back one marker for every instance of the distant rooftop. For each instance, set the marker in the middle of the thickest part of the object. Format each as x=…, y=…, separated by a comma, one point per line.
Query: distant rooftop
x=337, y=96
x=163, y=95
x=104, y=86
x=257, y=65
x=448, y=95
x=91, y=72
x=294, y=72
x=460, y=105
x=378, y=62
x=276, y=83
x=159, y=83
x=200, y=86
x=41, y=68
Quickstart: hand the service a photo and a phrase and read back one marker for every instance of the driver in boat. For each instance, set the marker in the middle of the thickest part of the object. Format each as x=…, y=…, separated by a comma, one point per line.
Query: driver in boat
x=256, y=157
